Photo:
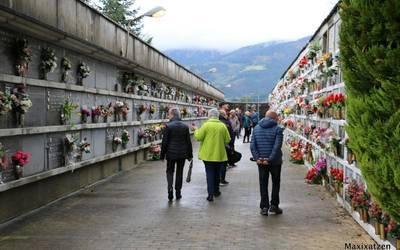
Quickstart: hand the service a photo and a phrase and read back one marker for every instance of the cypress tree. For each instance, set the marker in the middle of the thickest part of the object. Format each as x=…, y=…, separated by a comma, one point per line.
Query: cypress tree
x=370, y=58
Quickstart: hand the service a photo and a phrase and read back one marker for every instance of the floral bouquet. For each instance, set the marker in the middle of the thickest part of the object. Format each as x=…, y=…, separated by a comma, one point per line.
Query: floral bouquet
x=115, y=142
x=337, y=176
x=125, y=111
x=96, y=112
x=6, y=103
x=66, y=66
x=24, y=56
x=85, y=113
x=118, y=107
x=83, y=72
x=83, y=147
x=394, y=230
x=23, y=104
x=313, y=176
x=375, y=212
x=155, y=151
x=125, y=137
x=152, y=109
x=49, y=61
x=20, y=159
x=321, y=167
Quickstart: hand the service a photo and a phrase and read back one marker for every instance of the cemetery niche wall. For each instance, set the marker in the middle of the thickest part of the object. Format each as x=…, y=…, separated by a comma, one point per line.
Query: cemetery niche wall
x=80, y=100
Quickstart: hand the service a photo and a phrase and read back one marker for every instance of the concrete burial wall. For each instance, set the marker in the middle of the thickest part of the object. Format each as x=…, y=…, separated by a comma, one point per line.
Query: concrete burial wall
x=76, y=31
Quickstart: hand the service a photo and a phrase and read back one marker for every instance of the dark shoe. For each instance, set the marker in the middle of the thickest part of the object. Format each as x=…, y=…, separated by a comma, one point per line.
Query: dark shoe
x=224, y=182
x=170, y=195
x=210, y=198
x=178, y=195
x=217, y=194
x=275, y=210
x=264, y=211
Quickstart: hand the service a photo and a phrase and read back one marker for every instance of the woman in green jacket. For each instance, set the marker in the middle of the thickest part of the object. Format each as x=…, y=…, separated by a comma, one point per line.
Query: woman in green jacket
x=213, y=136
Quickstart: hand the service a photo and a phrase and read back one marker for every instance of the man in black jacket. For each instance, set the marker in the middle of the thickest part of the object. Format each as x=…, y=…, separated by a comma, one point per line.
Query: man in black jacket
x=176, y=148
x=223, y=117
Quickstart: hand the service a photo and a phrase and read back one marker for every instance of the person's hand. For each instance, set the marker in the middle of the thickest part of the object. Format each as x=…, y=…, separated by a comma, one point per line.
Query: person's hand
x=259, y=162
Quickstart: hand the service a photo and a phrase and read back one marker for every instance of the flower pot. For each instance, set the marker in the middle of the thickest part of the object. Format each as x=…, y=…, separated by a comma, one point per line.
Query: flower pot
x=18, y=171
x=64, y=77
x=382, y=233
x=117, y=117
x=84, y=118
x=20, y=119
x=376, y=226
x=105, y=120
x=95, y=119
x=79, y=81
x=114, y=147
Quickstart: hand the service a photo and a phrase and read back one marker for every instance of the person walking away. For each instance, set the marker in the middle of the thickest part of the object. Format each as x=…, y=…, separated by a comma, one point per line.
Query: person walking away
x=266, y=144
x=224, y=109
x=240, y=118
x=176, y=147
x=254, y=117
x=246, y=126
x=213, y=137
x=233, y=118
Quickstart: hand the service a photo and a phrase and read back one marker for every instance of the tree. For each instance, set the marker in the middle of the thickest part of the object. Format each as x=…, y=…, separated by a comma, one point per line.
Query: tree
x=370, y=52
x=122, y=11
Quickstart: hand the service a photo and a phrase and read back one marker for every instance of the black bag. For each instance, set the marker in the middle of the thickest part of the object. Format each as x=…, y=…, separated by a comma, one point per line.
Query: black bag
x=233, y=156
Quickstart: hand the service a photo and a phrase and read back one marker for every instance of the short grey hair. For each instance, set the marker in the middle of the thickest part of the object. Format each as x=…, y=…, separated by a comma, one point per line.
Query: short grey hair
x=213, y=113
x=176, y=113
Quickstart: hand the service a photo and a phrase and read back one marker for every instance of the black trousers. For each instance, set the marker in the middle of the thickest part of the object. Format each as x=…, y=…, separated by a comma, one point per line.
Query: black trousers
x=213, y=170
x=179, y=174
x=247, y=133
x=264, y=172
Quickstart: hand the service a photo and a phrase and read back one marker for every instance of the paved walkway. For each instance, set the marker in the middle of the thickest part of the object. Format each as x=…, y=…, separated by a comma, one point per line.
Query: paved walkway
x=132, y=212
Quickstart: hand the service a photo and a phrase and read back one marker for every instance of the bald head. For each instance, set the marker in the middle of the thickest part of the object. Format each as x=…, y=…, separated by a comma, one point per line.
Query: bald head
x=272, y=114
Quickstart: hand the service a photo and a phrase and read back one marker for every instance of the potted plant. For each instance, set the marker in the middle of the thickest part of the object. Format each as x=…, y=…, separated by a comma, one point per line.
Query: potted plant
x=313, y=50
x=125, y=137
x=21, y=105
x=20, y=159
x=66, y=67
x=23, y=56
x=85, y=113
x=67, y=109
x=337, y=177
x=155, y=152
x=83, y=72
x=48, y=62
x=152, y=110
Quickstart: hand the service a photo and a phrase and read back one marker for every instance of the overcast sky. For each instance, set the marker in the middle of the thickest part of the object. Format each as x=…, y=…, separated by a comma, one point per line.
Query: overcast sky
x=230, y=24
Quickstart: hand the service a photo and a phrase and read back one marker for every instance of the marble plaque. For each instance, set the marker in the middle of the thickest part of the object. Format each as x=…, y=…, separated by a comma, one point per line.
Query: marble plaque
x=98, y=142
x=36, y=115
x=35, y=145
x=12, y=144
x=7, y=59
x=55, y=98
x=55, y=151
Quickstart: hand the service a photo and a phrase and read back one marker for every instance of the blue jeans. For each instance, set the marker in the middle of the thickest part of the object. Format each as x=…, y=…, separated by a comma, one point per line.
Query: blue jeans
x=213, y=176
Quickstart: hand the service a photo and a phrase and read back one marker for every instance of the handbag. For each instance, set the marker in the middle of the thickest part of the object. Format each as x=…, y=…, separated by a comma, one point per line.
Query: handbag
x=233, y=156
x=189, y=174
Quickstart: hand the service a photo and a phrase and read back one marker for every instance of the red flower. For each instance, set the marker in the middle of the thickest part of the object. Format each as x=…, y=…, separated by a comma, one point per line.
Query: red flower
x=20, y=158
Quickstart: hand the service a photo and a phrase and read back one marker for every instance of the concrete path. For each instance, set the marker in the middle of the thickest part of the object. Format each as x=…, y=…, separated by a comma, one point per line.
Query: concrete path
x=131, y=211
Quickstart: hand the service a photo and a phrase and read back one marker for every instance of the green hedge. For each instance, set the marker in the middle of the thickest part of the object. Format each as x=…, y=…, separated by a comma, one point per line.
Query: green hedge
x=370, y=57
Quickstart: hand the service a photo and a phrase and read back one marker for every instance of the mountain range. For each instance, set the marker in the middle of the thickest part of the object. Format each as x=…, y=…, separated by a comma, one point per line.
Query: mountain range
x=244, y=73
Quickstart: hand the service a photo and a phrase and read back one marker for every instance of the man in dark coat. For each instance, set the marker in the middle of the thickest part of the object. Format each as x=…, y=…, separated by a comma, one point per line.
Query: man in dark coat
x=176, y=148
x=223, y=117
x=266, y=144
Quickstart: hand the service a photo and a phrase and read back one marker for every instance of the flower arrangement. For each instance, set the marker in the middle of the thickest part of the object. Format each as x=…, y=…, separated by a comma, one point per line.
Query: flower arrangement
x=337, y=176
x=48, y=61
x=303, y=62
x=313, y=49
x=394, y=230
x=140, y=110
x=67, y=109
x=142, y=87
x=118, y=106
x=125, y=111
x=23, y=55
x=85, y=113
x=83, y=147
x=128, y=81
x=296, y=153
x=352, y=189
x=375, y=212
x=184, y=112
x=106, y=111
x=20, y=159
x=6, y=102
x=66, y=66
x=155, y=151
x=313, y=176
x=83, y=72
x=116, y=142
x=96, y=112
x=125, y=137
x=152, y=109
x=321, y=166
x=143, y=134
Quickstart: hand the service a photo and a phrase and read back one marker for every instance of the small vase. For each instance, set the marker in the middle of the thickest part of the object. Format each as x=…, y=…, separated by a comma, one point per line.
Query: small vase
x=105, y=119
x=79, y=157
x=382, y=233
x=20, y=119
x=18, y=172
x=364, y=215
x=124, y=145
x=114, y=147
x=84, y=118
x=376, y=225
x=79, y=81
x=64, y=77
x=95, y=118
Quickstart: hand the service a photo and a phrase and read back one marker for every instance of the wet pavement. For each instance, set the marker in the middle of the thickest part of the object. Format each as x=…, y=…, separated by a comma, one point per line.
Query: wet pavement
x=131, y=211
